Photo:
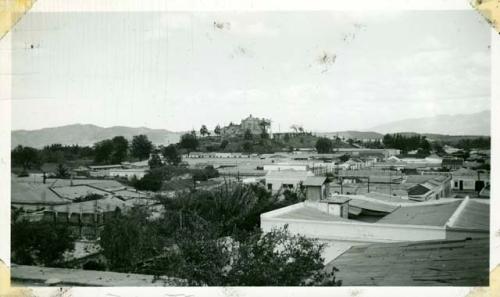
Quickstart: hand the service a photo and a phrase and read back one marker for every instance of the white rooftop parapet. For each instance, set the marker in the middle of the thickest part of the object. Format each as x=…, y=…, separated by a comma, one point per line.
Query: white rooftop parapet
x=451, y=221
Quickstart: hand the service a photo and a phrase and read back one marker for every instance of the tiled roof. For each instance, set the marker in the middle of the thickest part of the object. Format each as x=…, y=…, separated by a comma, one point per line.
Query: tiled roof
x=427, y=215
x=423, y=263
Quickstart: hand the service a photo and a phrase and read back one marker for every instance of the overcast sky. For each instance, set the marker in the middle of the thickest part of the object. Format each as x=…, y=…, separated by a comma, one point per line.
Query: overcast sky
x=328, y=71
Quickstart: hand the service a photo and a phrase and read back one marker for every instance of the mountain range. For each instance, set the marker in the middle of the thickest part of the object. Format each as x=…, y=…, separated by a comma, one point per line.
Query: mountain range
x=459, y=124
x=477, y=124
x=87, y=134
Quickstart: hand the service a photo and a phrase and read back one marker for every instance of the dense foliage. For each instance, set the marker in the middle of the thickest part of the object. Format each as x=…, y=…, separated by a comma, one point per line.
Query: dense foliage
x=25, y=157
x=141, y=147
x=157, y=175
x=407, y=143
x=324, y=145
x=213, y=238
x=39, y=243
x=189, y=142
x=171, y=154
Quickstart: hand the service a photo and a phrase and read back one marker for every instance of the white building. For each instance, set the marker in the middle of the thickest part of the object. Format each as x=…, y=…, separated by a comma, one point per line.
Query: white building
x=128, y=173
x=286, y=179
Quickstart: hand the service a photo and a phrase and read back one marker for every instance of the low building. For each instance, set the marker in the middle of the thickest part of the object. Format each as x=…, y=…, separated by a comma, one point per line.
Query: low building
x=286, y=179
x=102, y=170
x=432, y=189
x=317, y=188
x=452, y=163
x=382, y=221
x=285, y=166
x=469, y=180
x=128, y=173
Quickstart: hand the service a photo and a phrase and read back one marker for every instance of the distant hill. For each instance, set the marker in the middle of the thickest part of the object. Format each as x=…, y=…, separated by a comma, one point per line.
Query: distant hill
x=460, y=124
x=352, y=134
x=87, y=135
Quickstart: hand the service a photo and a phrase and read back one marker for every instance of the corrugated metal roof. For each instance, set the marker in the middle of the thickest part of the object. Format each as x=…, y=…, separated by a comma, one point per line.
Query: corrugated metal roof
x=426, y=215
x=424, y=263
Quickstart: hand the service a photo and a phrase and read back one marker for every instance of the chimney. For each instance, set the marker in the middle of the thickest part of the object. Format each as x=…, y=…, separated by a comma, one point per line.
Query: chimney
x=338, y=206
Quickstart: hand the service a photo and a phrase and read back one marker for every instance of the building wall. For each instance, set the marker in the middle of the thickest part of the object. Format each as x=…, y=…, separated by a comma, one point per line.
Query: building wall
x=313, y=193
x=350, y=231
x=252, y=124
x=128, y=174
x=469, y=183
x=355, y=231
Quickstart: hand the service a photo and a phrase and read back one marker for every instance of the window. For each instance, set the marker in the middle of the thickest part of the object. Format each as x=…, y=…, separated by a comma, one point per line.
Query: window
x=269, y=186
x=456, y=184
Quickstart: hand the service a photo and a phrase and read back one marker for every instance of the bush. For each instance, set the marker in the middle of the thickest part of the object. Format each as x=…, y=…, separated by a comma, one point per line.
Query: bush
x=39, y=243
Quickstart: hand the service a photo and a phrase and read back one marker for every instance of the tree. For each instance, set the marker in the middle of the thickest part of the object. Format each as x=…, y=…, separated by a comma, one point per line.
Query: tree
x=247, y=146
x=203, y=130
x=155, y=161
x=189, y=142
x=62, y=171
x=344, y=158
x=141, y=147
x=103, y=151
x=324, y=145
x=223, y=144
x=279, y=258
x=151, y=181
x=248, y=135
x=39, y=243
x=264, y=125
x=217, y=130
x=127, y=240
x=120, y=148
x=26, y=157
x=172, y=155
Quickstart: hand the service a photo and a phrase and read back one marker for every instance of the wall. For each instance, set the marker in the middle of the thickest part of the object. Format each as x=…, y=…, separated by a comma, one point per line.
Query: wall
x=352, y=230
x=313, y=193
x=469, y=183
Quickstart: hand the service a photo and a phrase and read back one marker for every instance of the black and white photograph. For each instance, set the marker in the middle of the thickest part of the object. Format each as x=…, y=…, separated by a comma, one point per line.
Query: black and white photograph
x=237, y=148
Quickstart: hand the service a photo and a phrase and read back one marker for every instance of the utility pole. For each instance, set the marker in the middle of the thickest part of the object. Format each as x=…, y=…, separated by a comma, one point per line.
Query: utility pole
x=390, y=182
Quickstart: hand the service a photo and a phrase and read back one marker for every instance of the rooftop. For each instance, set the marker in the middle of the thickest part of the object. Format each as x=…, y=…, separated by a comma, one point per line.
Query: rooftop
x=422, y=263
x=35, y=275
x=474, y=215
x=315, y=181
x=24, y=192
x=429, y=214
x=73, y=192
x=288, y=174
x=418, y=190
x=309, y=213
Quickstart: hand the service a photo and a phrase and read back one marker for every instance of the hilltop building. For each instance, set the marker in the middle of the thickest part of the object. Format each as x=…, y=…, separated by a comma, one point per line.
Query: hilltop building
x=252, y=124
